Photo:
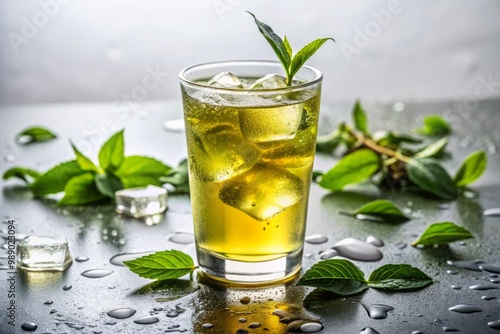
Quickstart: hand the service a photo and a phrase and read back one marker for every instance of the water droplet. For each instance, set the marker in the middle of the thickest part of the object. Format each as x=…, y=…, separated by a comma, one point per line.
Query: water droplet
x=49, y=302
x=9, y=158
x=309, y=326
x=254, y=325
x=492, y=150
x=242, y=331
x=492, y=268
x=401, y=245
x=172, y=314
x=118, y=259
x=29, y=326
x=308, y=255
x=368, y=330
x=81, y=258
x=456, y=287
x=488, y=297
x=328, y=254
x=357, y=250
x=147, y=320
x=97, y=273
x=374, y=241
x=451, y=272
x=181, y=238
x=469, y=265
x=495, y=280
x=121, y=313
x=483, y=287
x=242, y=320
x=377, y=311
x=158, y=309
x=207, y=325
x=450, y=329
x=67, y=287
x=316, y=239
x=417, y=332
x=495, y=212
x=398, y=106
x=174, y=125
x=465, y=308
x=494, y=324
x=245, y=300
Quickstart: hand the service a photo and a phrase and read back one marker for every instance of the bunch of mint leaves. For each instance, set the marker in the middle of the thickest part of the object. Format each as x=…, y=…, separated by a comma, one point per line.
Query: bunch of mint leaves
x=387, y=159
x=84, y=182
x=291, y=63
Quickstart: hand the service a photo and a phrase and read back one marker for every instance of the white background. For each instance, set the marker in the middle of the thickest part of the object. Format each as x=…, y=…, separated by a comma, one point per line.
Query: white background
x=87, y=50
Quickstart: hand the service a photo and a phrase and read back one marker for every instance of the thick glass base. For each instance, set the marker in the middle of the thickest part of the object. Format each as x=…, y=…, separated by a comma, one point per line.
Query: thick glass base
x=249, y=273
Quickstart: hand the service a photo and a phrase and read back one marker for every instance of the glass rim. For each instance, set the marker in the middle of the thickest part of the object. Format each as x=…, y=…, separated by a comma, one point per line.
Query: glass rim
x=318, y=76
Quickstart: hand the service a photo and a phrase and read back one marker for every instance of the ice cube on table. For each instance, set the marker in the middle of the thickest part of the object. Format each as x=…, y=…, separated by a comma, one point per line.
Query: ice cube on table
x=142, y=201
x=262, y=192
x=221, y=152
x=225, y=80
x=39, y=253
x=270, y=81
x=261, y=125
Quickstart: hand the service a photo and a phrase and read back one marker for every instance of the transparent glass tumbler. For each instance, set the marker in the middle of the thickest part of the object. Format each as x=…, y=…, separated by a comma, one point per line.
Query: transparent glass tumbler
x=250, y=158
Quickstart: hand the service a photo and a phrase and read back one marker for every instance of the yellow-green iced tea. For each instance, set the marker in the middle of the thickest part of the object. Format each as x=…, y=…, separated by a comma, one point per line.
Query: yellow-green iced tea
x=250, y=157
x=250, y=170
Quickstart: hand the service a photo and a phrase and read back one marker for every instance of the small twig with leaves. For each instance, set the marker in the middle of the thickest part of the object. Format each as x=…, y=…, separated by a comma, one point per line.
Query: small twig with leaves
x=385, y=160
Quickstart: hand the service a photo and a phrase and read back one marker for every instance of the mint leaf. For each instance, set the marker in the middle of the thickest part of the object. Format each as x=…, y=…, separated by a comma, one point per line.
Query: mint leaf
x=139, y=171
x=353, y=168
x=398, y=277
x=162, y=265
x=288, y=47
x=435, y=125
x=276, y=43
x=471, y=168
x=107, y=184
x=383, y=211
x=34, y=134
x=442, y=233
x=429, y=176
x=25, y=174
x=111, y=154
x=85, y=163
x=178, y=177
x=303, y=55
x=394, y=140
x=432, y=150
x=359, y=117
x=81, y=190
x=336, y=275
x=55, y=179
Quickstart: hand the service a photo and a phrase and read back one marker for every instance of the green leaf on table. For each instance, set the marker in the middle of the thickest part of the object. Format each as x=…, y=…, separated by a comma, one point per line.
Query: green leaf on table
x=336, y=275
x=394, y=140
x=359, y=117
x=140, y=171
x=34, y=134
x=329, y=142
x=55, y=179
x=432, y=150
x=280, y=48
x=178, y=177
x=429, y=176
x=303, y=55
x=381, y=210
x=81, y=190
x=353, y=168
x=162, y=265
x=472, y=167
x=107, y=184
x=398, y=277
x=85, y=163
x=25, y=174
x=442, y=233
x=435, y=125
x=112, y=153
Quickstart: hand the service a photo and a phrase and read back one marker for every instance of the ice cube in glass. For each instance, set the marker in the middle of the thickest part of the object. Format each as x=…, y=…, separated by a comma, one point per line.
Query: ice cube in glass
x=225, y=80
x=270, y=81
x=40, y=253
x=142, y=201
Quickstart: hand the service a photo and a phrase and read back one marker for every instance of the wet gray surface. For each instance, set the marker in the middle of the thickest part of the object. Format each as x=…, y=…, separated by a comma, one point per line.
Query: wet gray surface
x=99, y=233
